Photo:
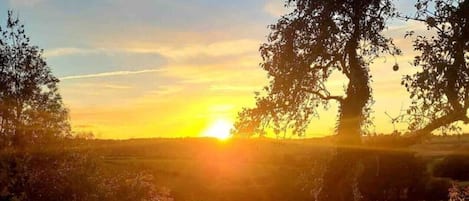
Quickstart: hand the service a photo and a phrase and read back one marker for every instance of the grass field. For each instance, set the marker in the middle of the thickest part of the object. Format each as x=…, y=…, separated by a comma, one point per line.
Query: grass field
x=203, y=169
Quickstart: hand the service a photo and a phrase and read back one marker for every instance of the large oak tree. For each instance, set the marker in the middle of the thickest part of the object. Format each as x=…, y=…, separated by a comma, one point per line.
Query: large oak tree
x=304, y=48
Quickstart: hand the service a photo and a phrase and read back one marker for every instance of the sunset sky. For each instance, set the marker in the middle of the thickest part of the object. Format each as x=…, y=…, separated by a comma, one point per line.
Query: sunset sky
x=173, y=68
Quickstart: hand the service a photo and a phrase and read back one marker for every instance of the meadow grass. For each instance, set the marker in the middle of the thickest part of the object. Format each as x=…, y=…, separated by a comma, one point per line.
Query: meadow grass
x=207, y=169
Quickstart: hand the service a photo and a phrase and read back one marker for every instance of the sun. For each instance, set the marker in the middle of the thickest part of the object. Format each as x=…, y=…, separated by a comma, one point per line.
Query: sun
x=219, y=129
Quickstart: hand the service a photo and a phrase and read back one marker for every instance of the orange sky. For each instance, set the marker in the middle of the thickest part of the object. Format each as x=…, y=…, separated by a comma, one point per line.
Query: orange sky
x=204, y=93
x=163, y=68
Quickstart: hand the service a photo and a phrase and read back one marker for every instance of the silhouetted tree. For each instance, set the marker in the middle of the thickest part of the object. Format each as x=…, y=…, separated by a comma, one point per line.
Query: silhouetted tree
x=31, y=108
x=440, y=90
x=305, y=47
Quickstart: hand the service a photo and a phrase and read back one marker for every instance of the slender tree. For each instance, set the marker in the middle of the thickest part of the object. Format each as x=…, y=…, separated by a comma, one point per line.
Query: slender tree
x=304, y=48
x=31, y=107
x=440, y=90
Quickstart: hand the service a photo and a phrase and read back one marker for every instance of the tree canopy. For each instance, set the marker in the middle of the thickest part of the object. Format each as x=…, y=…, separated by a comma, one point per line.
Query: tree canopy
x=302, y=51
x=440, y=90
x=31, y=108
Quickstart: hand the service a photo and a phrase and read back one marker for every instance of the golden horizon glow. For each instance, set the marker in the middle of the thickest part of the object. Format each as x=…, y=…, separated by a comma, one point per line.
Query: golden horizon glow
x=178, y=76
x=219, y=129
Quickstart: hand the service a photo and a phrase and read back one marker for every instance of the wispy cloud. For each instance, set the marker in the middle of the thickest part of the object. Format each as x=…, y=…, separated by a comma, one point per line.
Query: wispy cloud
x=24, y=3
x=233, y=88
x=109, y=74
x=57, y=52
x=214, y=49
x=165, y=90
x=275, y=8
x=114, y=86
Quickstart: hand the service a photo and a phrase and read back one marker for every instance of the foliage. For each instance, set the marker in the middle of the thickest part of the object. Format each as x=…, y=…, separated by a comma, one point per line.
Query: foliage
x=458, y=193
x=455, y=167
x=261, y=169
x=440, y=90
x=62, y=175
x=386, y=172
x=398, y=175
x=302, y=51
x=210, y=170
x=31, y=108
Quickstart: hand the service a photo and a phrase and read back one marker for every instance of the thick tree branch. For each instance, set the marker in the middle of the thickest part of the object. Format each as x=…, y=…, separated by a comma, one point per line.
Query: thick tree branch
x=447, y=119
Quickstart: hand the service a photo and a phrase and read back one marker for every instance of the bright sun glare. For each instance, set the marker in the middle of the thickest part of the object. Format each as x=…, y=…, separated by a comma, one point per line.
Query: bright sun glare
x=219, y=129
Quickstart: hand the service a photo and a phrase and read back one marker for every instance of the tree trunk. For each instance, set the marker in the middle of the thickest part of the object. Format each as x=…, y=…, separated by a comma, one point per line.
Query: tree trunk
x=18, y=137
x=339, y=178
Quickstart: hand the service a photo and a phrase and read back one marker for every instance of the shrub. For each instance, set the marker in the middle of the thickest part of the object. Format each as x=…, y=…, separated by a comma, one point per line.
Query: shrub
x=458, y=193
x=390, y=175
x=437, y=189
x=71, y=176
x=454, y=167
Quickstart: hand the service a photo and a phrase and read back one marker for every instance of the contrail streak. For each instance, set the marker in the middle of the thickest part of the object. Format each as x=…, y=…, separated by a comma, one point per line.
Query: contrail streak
x=109, y=74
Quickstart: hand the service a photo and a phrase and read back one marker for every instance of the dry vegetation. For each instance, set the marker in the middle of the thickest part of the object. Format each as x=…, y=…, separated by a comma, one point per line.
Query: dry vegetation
x=263, y=169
